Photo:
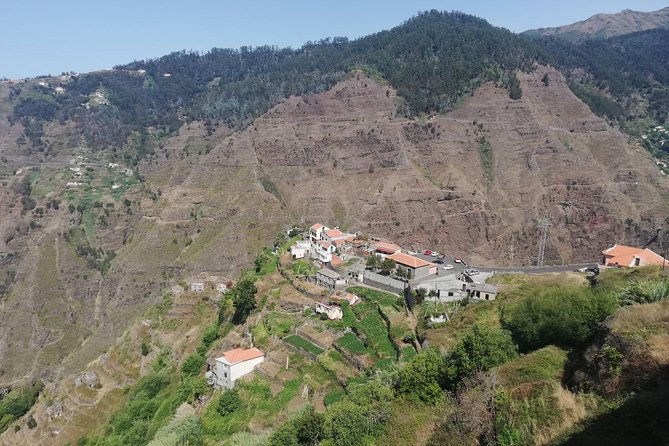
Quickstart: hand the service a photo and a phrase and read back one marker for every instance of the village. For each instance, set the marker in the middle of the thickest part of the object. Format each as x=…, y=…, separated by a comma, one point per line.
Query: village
x=339, y=278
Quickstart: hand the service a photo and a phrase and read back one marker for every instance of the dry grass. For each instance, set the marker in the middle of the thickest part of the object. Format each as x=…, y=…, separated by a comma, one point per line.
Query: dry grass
x=649, y=318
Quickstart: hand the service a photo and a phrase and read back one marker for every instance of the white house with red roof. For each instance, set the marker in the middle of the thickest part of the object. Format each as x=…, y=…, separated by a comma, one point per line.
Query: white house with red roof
x=233, y=365
x=317, y=231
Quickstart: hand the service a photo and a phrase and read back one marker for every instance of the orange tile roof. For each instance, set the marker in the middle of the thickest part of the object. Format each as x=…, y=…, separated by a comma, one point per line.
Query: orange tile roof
x=324, y=244
x=410, y=261
x=388, y=248
x=334, y=233
x=624, y=255
x=336, y=260
x=317, y=226
x=342, y=241
x=237, y=355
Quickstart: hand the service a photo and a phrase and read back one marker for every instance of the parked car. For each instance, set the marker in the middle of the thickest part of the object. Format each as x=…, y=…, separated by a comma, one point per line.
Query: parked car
x=435, y=254
x=412, y=253
x=472, y=271
x=427, y=252
x=449, y=266
x=439, y=262
x=457, y=260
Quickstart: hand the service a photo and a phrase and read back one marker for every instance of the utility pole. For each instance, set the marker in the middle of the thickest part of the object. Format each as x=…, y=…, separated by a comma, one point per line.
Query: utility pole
x=543, y=224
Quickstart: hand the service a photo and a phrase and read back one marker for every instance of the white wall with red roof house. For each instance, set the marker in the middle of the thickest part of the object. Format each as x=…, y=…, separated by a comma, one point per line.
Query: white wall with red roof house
x=316, y=232
x=226, y=372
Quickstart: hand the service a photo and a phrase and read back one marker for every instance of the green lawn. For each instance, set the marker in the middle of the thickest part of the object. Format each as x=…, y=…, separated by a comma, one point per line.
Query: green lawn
x=374, y=296
x=300, y=342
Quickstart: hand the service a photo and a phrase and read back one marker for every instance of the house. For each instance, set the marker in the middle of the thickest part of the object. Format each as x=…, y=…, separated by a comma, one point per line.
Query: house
x=351, y=298
x=450, y=295
x=233, y=365
x=329, y=278
x=323, y=251
x=221, y=288
x=482, y=291
x=197, y=287
x=297, y=253
x=386, y=249
x=412, y=266
x=333, y=235
x=629, y=256
x=332, y=311
x=316, y=232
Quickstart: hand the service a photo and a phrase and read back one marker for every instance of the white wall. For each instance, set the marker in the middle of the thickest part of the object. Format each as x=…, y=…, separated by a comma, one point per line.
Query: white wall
x=234, y=372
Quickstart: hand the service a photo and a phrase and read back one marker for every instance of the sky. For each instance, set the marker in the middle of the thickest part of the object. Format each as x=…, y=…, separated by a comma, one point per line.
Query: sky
x=39, y=37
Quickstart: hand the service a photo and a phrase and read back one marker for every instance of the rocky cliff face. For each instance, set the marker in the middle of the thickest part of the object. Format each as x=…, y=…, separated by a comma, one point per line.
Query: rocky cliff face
x=471, y=182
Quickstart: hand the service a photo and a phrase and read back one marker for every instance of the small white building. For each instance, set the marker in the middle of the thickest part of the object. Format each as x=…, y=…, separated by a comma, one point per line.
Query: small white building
x=197, y=287
x=233, y=365
x=333, y=312
x=297, y=253
x=316, y=232
x=221, y=288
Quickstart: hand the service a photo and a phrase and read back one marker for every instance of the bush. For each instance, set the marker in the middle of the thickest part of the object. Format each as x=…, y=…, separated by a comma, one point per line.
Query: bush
x=229, y=402
x=193, y=364
x=144, y=349
x=481, y=349
x=422, y=379
x=564, y=316
x=644, y=291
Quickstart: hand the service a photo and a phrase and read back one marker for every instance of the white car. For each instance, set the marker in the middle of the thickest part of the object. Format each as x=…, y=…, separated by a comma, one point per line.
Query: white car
x=435, y=254
x=412, y=253
x=447, y=267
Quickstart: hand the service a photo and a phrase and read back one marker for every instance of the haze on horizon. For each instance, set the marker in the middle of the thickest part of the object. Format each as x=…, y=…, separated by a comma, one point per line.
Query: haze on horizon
x=40, y=38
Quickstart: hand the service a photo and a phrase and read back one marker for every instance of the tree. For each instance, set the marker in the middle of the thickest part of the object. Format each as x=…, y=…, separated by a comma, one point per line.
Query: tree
x=373, y=262
x=422, y=380
x=387, y=265
x=229, y=402
x=480, y=350
x=244, y=300
x=419, y=295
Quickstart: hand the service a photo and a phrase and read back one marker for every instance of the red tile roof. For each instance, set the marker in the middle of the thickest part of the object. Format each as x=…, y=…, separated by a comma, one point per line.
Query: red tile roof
x=410, y=261
x=334, y=233
x=317, y=226
x=625, y=255
x=387, y=248
x=237, y=355
x=336, y=260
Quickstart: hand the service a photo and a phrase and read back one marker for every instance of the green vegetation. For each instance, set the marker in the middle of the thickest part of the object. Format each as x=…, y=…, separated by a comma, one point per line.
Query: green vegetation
x=485, y=153
x=565, y=316
x=17, y=403
x=432, y=60
x=300, y=342
x=352, y=343
x=244, y=299
x=480, y=350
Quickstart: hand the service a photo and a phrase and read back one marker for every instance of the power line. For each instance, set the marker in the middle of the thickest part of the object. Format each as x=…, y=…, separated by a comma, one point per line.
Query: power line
x=543, y=224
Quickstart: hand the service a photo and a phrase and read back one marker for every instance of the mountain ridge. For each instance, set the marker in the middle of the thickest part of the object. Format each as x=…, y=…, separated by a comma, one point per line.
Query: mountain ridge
x=602, y=26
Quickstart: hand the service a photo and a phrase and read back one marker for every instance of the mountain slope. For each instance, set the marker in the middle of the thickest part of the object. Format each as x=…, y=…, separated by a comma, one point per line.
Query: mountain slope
x=602, y=26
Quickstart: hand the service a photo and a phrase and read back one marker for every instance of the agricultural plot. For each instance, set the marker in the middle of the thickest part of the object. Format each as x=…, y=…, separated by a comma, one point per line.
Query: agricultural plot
x=351, y=343
x=300, y=342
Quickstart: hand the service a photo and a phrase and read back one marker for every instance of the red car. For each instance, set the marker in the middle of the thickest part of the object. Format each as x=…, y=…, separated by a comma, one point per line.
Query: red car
x=427, y=252
x=458, y=260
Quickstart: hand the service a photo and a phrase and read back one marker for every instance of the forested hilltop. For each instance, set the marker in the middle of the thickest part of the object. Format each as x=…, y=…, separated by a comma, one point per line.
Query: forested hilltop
x=431, y=59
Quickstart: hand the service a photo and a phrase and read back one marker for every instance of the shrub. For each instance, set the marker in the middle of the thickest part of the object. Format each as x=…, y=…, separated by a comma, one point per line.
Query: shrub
x=481, y=349
x=423, y=378
x=565, y=316
x=644, y=291
x=193, y=364
x=229, y=402
x=144, y=349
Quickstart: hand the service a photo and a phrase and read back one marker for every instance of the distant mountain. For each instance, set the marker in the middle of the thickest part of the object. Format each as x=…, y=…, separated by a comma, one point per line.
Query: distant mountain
x=602, y=26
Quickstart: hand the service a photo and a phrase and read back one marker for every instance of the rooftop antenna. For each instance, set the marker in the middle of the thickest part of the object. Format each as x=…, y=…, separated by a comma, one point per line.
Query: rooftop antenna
x=543, y=224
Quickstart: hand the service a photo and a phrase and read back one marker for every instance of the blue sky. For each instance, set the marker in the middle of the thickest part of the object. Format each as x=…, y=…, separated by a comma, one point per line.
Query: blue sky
x=49, y=37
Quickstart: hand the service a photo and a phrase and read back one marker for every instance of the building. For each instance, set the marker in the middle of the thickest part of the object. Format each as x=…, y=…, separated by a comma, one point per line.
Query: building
x=333, y=235
x=221, y=288
x=333, y=312
x=412, y=266
x=386, y=249
x=233, y=365
x=329, y=278
x=629, y=256
x=482, y=291
x=297, y=253
x=322, y=251
x=316, y=232
x=197, y=287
